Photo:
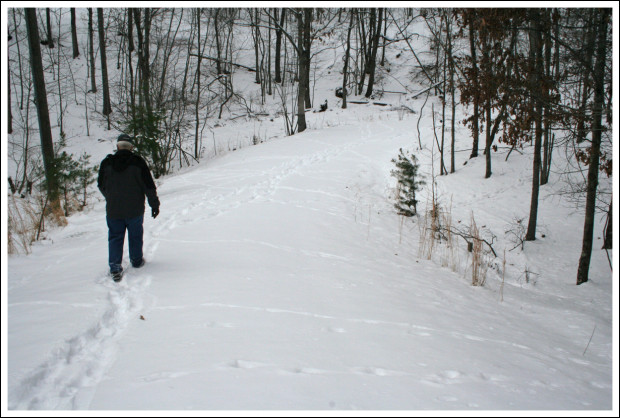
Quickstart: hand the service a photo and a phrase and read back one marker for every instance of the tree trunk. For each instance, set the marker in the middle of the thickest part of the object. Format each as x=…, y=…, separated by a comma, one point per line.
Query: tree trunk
x=489, y=140
x=50, y=38
x=306, y=50
x=197, y=106
x=171, y=37
x=452, y=93
x=536, y=96
x=255, y=35
x=132, y=91
x=60, y=111
x=146, y=70
x=384, y=37
x=8, y=84
x=346, y=62
x=546, y=161
x=107, y=107
x=91, y=51
x=74, y=39
x=608, y=241
x=278, y=78
x=303, y=70
x=486, y=70
x=443, y=170
x=26, y=146
x=218, y=46
x=476, y=117
x=599, y=92
x=363, y=50
x=40, y=92
x=269, y=72
x=144, y=35
x=131, y=46
x=372, y=64
x=587, y=74
x=19, y=61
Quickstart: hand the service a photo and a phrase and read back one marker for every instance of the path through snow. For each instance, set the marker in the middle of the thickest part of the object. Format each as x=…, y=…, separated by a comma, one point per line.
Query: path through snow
x=278, y=277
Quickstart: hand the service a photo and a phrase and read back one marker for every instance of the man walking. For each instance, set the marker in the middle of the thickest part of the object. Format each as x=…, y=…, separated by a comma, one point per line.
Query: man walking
x=124, y=180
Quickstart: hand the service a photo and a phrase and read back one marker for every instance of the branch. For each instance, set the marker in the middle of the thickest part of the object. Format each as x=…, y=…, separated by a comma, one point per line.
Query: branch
x=466, y=237
x=284, y=32
x=412, y=50
x=223, y=62
x=425, y=90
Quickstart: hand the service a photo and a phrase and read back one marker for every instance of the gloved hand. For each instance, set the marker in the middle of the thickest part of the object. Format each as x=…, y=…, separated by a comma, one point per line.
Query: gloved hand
x=155, y=212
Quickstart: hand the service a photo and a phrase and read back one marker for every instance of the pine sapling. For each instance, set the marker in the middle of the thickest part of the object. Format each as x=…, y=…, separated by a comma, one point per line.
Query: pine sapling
x=409, y=182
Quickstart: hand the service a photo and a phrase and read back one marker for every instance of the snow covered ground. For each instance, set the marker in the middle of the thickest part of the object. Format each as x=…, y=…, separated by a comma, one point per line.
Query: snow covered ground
x=279, y=278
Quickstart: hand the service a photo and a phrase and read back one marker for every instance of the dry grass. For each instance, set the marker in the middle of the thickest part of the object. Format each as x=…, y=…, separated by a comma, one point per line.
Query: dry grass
x=427, y=237
x=450, y=257
x=23, y=224
x=436, y=238
x=27, y=219
x=478, y=265
x=438, y=241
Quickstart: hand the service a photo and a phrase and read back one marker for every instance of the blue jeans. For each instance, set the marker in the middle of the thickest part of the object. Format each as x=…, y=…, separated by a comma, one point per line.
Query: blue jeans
x=116, y=240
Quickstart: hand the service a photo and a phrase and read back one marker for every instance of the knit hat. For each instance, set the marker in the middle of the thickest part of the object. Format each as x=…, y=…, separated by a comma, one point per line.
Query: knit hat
x=125, y=142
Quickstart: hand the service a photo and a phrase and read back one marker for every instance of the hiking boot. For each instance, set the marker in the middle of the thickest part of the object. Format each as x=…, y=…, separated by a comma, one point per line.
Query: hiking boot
x=138, y=264
x=117, y=275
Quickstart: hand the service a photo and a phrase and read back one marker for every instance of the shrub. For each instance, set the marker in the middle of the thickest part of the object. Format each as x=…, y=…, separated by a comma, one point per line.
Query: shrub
x=406, y=174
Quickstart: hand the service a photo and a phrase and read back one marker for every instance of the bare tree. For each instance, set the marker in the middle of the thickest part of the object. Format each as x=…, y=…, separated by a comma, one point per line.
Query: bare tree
x=8, y=83
x=218, y=46
x=45, y=130
x=91, y=51
x=304, y=20
x=476, y=99
x=48, y=18
x=603, y=18
x=536, y=67
x=198, y=79
x=345, y=70
x=452, y=89
x=107, y=107
x=19, y=60
x=254, y=22
x=279, y=29
x=74, y=39
x=144, y=36
x=130, y=46
x=608, y=241
x=374, y=46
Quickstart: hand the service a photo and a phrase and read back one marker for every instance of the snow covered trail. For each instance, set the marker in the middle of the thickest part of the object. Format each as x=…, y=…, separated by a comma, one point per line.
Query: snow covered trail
x=278, y=277
x=68, y=377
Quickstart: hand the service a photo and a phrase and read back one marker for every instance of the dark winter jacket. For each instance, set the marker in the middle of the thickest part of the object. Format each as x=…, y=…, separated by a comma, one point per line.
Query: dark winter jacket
x=124, y=180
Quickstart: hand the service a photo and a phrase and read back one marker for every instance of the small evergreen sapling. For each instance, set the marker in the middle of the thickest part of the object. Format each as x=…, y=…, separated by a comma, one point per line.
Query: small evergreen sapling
x=409, y=182
x=85, y=176
x=73, y=176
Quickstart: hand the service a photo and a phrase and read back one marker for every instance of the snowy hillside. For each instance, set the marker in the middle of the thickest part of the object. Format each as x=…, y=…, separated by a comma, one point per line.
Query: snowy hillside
x=279, y=277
